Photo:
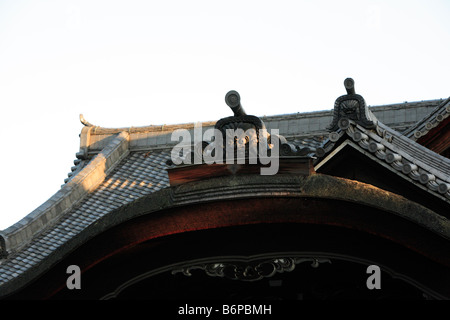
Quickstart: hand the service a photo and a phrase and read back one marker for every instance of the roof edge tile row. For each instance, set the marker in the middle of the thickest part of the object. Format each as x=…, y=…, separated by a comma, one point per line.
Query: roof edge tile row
x=422, y=127
x=87, y=180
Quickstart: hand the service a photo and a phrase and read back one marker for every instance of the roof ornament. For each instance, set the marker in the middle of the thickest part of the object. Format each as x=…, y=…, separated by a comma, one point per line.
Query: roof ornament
x=245, y=137
x=233, y=100
x=85, y=122
x=351, y=107
x=240, y=120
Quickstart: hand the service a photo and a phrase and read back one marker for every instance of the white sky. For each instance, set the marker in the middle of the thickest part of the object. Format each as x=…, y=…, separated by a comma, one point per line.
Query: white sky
x=136, y=63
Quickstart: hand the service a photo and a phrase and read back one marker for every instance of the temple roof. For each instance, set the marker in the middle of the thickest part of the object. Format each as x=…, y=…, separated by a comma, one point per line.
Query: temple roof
x=117, y=166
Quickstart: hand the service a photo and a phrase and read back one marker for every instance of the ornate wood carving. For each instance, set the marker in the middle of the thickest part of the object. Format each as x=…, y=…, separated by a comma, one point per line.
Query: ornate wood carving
x=250, y=270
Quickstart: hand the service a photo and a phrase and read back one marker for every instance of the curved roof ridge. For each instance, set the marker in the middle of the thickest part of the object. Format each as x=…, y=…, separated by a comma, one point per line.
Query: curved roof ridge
x=422, y=127
x=436, y=162
x=424, y=102
x=99, y=130
x=23, y=231
x=120, y=187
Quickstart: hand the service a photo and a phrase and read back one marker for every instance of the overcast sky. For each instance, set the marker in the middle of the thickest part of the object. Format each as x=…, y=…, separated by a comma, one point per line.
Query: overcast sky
x=136, y=63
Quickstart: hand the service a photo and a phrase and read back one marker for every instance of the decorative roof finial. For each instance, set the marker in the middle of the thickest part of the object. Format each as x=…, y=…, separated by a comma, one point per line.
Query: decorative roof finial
x=349, y=85
x=351, y=107
x=85, y=122
x=233, y=100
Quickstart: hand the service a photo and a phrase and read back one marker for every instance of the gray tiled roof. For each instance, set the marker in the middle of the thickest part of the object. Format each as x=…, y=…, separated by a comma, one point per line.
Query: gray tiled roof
x=139, y=174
